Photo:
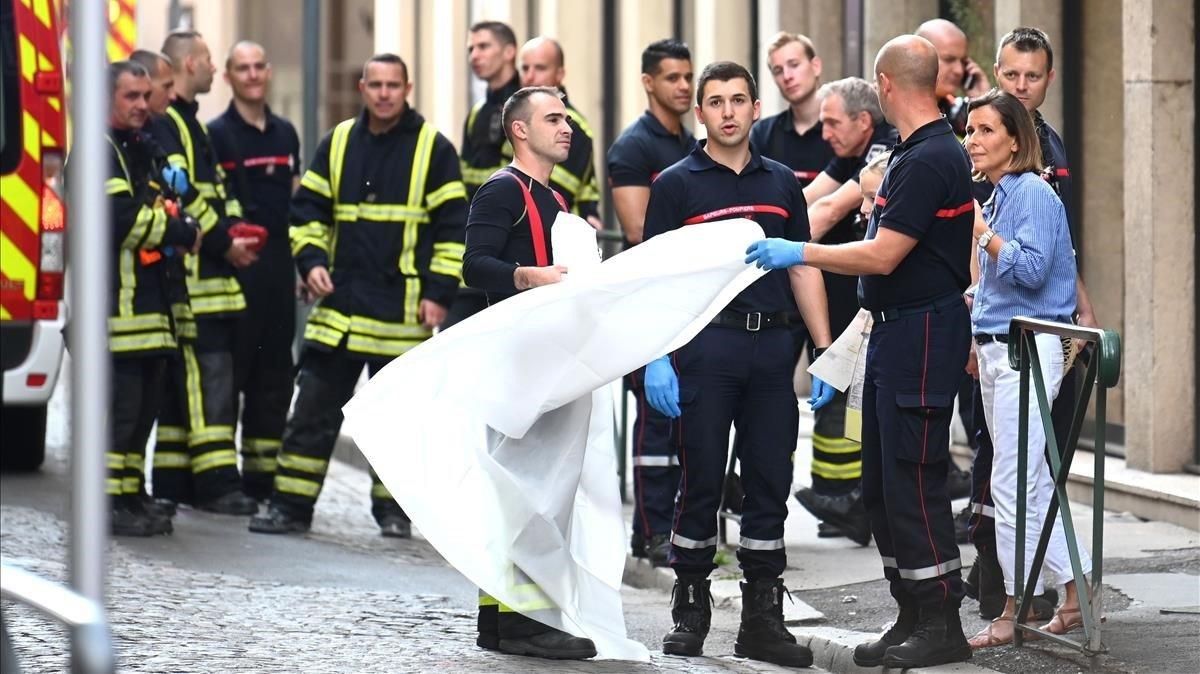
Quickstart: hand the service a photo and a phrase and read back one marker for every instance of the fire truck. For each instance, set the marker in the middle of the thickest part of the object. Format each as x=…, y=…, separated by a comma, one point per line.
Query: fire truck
x=33, y=313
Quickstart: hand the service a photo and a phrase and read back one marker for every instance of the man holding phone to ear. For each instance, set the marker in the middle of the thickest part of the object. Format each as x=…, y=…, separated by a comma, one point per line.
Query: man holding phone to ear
x=956, y=71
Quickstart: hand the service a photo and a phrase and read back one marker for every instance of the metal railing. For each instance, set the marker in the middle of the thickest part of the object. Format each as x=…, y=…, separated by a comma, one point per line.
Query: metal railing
x=89, y=232
x=91, y=643
x=1103, y=371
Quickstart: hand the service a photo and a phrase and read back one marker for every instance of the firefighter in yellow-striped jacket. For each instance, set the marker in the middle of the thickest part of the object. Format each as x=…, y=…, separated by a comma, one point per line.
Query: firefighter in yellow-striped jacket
x=377, y=233
x=204, y=472
x=141, y=331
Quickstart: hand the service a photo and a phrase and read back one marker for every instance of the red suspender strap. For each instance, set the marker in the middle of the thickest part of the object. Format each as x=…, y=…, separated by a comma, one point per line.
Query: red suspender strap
x=535, y=219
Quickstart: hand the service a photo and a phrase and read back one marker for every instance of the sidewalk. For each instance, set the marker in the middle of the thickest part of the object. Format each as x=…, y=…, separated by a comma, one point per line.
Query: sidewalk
x=1151, y=579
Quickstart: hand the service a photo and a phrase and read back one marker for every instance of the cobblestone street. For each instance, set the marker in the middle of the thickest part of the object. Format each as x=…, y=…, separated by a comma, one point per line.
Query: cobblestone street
x=214, y=598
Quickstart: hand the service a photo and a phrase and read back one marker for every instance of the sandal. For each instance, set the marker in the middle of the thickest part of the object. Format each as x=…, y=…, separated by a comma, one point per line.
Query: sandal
x=1066, y=620
x=988, y=639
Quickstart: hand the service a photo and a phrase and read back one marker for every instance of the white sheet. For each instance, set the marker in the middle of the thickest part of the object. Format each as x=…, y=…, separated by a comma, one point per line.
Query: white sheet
x=497, y=435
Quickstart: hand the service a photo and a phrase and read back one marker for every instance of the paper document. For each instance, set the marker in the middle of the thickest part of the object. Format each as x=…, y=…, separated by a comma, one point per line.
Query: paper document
x=836, y=366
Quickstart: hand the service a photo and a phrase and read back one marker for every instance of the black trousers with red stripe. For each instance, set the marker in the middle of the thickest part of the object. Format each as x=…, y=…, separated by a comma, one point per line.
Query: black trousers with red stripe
x=733, y=377
x=656, y=468
x=913, y=370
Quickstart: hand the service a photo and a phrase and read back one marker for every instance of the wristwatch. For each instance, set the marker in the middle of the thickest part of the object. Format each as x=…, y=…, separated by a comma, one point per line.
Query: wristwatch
x=986, y=238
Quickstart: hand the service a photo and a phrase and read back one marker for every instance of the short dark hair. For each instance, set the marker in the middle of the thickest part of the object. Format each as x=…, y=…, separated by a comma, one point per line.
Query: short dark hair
x=654, y=54
x=1028, y=39
x=502, y=31
x=517, y=106
x=723, y=71
x=149, y=59
x=178, y=45
x=1019, y=124
x=386, y=57
x=118, y=68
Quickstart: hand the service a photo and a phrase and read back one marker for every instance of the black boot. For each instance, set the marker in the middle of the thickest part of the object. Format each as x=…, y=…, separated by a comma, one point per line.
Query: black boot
x=990, y=587
x=844, y=511
x=658, y=549
x=488, y=624
x=936, y=640
x=395, y=526
x=637, y=545
x=871, y=654
x=520, y=635
x=232, y=503
x=159, y=521
x=125, y=522
x=691, y=609
x=279, y=521
x=827, y=530
x=762, y=635
x=962, y=525
x=958, y=482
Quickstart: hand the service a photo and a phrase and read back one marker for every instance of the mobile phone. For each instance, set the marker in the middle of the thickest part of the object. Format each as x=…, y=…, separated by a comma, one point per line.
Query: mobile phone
x=968, y=79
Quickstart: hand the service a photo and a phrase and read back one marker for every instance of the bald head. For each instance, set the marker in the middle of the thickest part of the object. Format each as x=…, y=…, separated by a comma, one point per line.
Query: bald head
x=936, y=30
x=245, y=50
x=951, y=44
x=910, y=62
x=541, y=63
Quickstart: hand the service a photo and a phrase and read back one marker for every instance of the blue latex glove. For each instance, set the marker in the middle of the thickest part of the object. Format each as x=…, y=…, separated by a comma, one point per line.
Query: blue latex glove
x=176, y=179
x=662, y=387
x=775, y=253
x=822, y=394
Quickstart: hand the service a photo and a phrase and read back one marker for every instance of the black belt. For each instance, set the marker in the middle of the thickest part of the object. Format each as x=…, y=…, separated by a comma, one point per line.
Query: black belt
x=938, y=303
x=752, y=322
x=983, y=338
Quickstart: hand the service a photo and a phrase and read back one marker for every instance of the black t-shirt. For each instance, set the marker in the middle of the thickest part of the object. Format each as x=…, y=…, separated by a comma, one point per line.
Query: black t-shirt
x=697, y=189
x=925, y=194
x=260, y=165
x=643, y=150
x=775, y=137
x=499, y=238
x=845, y=169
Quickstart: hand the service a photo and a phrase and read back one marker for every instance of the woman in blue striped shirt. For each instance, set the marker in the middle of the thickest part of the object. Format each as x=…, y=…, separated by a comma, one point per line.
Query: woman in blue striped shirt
x=1026, y=268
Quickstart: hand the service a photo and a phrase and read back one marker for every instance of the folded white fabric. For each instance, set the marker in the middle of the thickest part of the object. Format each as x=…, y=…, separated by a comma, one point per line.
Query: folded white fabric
x=497, y=435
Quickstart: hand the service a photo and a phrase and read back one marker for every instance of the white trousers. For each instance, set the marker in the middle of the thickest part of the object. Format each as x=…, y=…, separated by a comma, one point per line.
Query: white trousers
x=1001, y=388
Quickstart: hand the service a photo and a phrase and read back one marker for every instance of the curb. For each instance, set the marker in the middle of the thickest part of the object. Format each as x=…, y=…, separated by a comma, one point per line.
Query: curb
x=833, y=648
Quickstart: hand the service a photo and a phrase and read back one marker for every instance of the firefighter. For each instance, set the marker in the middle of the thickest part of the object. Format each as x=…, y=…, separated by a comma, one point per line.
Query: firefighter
x=172, y=464
x=141, y=334
x=736, y=372
x=377, y=233
x=912, y=268
x=492, y=52
x=215, y=297
x=957, y=72
x=854, y=126
x=542, y=65
x=260, y=152
x=508, y=251
x=645, y=148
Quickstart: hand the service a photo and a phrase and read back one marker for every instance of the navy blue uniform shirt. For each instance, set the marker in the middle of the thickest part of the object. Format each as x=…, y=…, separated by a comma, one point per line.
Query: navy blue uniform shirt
x=260, y=165
x=806, y=155
x=925, y=194
x=697, y=189
x=643, y=150
x=499, y=237
x=845, y=169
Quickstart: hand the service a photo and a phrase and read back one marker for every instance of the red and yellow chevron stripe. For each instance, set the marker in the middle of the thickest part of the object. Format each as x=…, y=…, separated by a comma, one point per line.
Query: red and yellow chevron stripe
x=122, y=29
x=41, y=129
